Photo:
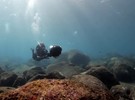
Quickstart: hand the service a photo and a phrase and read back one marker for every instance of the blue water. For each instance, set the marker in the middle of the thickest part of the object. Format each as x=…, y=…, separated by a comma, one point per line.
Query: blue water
x=95, y=27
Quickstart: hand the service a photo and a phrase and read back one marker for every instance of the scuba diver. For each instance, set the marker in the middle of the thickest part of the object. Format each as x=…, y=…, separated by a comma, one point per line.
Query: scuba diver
x=42, y=53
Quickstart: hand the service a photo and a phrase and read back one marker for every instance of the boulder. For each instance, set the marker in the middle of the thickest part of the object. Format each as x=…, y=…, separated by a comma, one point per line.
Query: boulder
x=103, y=74
x=61, y=58
x=5, y=89
x=101, y=92
x=55, y=75
x=78, y=58
x=21, y=68
x=73, y=56
x=89, y=81
x=67, y=69
x=1, y=70
x=7, y=79
x=43, y=63
x=32, y=72
x=132, y=94
x=124, y=73
x=50, y=89
x=19, y=82
x=95, y=63
x=121, y=92
x=52, y=75
x=37, y=77
x=118, y=60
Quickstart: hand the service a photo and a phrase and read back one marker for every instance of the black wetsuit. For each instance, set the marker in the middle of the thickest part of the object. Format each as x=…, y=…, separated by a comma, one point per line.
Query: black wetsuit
x=38, y=58
x=41, y=53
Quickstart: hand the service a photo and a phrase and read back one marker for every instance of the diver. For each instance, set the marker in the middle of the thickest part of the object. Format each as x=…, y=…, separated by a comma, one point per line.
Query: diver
x=42, y=53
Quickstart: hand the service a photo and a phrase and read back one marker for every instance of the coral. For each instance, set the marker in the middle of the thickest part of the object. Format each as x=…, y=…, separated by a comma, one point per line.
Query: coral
x=49, y=90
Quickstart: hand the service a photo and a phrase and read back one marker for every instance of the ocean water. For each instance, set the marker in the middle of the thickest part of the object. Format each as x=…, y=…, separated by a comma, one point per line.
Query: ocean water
x=95, y=27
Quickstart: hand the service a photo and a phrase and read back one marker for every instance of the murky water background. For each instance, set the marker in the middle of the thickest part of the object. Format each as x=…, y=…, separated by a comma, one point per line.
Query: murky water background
x=95, y=27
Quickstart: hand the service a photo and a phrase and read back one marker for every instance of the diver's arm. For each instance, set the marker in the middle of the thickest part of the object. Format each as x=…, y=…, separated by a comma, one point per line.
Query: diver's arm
x=34, y=55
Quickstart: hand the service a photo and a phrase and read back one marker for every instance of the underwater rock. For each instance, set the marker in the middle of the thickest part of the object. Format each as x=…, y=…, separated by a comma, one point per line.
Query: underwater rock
x=78, y=58
x=50, y=89
x=7, y=79
x=73, y=56
x=103, y=74
x=124, y=73
x=101, y=91
x=55, y=75
x=42, y=63
x=52, y=75
x=32, y=72
x=89, y=81
x=19, y=82
x=37, y=77
x=95, y=63
x=132, y=94
x=61, y=58
x=118, y=60
x=121, y=92
x=1, y=70
x=7, y=65
x=5, y=89
x=65, y=68
x=21, y=68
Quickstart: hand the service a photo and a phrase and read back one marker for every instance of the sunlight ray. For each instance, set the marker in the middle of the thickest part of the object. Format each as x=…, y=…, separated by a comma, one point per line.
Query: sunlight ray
x=30, y=6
